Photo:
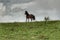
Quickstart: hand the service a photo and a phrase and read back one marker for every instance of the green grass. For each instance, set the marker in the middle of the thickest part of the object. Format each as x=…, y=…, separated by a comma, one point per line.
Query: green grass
x=30, y=31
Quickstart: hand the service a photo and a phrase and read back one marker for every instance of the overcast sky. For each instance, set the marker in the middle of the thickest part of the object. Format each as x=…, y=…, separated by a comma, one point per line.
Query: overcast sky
x=13, y=10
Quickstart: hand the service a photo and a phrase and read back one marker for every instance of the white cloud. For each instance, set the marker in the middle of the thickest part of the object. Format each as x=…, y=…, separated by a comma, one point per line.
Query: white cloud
x=2, y=9
x=22, y=5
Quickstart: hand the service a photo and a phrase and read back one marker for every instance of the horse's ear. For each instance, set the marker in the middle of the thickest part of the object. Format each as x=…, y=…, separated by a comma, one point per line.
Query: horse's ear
x=25, y=11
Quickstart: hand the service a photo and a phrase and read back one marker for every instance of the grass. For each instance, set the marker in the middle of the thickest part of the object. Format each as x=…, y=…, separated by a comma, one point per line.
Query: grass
x=30, y=31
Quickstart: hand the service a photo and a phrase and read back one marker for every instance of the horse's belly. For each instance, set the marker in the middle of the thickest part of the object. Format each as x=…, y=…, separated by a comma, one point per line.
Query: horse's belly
x=29, y=17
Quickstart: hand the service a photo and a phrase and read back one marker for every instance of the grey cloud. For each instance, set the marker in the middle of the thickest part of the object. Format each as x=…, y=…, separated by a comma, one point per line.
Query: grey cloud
x=5, y=2
x=15, y=10
x=40, y=9
x=47, y=4
x=20, y=1
x=9, y=3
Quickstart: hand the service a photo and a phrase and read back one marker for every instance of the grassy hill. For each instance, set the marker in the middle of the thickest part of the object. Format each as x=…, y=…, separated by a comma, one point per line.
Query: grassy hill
x=30, y=31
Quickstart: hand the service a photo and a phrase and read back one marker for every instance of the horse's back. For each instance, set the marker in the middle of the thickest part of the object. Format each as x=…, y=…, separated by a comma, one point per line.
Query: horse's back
x=33, y=16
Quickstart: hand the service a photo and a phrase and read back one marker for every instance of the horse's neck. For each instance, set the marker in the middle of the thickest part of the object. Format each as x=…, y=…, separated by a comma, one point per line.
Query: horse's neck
x=27, y=14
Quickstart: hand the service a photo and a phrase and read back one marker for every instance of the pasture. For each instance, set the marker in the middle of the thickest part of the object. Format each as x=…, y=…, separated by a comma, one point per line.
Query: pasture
x=30, y=31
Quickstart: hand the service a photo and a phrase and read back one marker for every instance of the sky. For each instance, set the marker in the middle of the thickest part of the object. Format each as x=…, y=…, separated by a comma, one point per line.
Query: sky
x=13, y=10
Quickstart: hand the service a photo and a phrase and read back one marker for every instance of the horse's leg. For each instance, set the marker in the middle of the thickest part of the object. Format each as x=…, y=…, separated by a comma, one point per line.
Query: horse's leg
x=28, y=19
x=31, y=19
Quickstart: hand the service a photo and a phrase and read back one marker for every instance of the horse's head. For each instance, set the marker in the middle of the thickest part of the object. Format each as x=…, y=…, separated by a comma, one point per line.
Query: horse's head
x=26, y=13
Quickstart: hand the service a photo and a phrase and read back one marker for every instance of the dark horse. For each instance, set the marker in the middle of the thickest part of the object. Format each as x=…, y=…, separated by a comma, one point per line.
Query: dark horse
x=29, y=16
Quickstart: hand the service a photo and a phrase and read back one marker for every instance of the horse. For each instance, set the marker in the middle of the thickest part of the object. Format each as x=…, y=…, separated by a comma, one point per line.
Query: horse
x=29, y=16
x=46, y=19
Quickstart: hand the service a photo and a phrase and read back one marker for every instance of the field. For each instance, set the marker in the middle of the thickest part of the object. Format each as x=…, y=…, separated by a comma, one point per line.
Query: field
x=30, y=31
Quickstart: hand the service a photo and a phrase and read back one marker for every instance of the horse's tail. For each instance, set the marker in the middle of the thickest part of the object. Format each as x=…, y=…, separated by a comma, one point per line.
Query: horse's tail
x=33, y=17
